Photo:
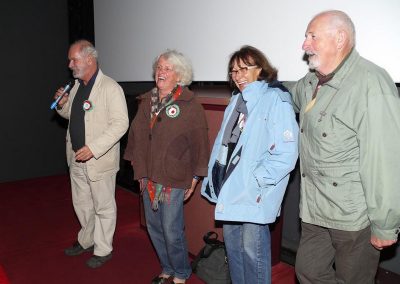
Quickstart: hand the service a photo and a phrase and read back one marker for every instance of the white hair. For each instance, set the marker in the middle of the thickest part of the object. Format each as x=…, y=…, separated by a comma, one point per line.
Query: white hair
x=340, y=20
x=87, y=48
x=182, y=66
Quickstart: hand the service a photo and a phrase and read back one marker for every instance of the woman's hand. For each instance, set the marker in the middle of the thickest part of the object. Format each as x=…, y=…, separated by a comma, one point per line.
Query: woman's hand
x=189, y=191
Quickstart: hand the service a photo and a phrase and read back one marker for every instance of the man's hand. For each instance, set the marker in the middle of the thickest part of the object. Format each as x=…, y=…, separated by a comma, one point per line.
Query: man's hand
x=83, y=154
x=381, y=244
x=63, y=100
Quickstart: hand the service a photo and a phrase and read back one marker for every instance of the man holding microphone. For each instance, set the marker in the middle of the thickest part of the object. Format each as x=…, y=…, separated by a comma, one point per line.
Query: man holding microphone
x=98, y=117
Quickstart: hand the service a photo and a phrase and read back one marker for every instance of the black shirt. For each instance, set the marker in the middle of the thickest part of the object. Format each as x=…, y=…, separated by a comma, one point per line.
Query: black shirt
x=78, y=110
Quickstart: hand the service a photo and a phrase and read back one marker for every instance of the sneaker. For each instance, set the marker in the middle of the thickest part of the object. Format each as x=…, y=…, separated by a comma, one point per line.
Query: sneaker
x=97, y=261
x=77, y=249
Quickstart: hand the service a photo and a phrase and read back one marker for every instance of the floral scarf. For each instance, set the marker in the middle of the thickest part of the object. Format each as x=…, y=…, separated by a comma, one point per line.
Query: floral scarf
x=158, y=192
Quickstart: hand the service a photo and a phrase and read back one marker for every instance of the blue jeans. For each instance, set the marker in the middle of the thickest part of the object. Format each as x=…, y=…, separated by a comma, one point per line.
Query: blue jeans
x=248, y=248
x=166, y=230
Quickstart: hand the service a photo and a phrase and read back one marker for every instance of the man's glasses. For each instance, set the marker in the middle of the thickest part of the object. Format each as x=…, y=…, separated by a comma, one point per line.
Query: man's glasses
x=241, y=70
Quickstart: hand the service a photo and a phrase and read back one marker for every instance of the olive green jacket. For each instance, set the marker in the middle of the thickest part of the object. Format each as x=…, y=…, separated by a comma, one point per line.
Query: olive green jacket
x=350, y=149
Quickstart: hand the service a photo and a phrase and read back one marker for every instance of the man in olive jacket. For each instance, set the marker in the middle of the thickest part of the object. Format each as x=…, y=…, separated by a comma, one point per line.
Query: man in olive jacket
x=98, y=117
x=349, y=156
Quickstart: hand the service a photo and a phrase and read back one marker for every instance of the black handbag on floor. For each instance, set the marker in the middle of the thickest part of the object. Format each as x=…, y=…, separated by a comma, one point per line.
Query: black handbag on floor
x=211, y=263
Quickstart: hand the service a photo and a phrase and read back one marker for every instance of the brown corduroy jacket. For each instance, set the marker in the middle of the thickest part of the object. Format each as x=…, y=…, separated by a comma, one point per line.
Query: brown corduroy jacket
x=175, y=148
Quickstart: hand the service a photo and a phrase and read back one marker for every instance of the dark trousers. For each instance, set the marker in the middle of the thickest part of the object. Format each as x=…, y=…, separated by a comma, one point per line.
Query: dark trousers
x=335, y=256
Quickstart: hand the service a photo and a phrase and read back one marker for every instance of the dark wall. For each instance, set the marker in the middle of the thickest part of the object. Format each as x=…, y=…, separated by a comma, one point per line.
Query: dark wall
x=81, y=20
x=131, y=90
x=34, y=48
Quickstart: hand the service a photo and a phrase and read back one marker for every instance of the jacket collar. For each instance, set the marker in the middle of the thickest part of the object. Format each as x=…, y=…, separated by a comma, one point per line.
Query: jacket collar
x=341, y=72
x=187, y=95
x=253, y=92
x=97, y=76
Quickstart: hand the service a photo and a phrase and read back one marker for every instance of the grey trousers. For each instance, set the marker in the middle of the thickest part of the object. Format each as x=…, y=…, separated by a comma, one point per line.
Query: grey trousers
x=334, y=256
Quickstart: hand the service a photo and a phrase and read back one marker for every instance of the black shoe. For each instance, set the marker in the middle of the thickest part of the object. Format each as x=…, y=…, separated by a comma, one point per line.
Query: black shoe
x=77, y=249
x=97, y=261
x=160, y=280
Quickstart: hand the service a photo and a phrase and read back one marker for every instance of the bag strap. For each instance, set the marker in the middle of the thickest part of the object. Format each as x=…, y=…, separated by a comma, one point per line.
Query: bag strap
x=211, y=238
x=207, y=237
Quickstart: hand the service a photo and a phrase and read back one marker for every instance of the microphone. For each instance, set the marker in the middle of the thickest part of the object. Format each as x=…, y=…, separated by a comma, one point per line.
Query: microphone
x=67, y=88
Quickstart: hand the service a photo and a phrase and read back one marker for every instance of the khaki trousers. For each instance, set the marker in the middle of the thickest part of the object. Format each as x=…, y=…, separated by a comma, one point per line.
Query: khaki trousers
x=95, y=207
x=333, y=256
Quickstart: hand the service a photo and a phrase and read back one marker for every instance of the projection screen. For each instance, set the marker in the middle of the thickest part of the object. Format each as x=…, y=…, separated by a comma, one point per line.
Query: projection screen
x=130, y=33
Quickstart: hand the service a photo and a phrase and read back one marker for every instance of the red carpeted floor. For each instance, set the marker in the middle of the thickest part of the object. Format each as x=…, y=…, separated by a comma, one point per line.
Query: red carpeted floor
x=38, y=222
x=3, y=276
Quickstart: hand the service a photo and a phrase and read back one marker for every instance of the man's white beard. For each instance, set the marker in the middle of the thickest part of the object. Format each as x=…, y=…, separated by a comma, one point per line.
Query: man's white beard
x=313, y=63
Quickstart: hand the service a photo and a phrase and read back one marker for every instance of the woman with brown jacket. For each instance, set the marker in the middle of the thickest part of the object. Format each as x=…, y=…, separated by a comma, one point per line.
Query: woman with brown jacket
x=168, y=149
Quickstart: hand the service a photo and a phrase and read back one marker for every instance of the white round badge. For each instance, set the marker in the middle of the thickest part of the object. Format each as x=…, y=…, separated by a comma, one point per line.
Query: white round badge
x=172, y=111
x=87, y=105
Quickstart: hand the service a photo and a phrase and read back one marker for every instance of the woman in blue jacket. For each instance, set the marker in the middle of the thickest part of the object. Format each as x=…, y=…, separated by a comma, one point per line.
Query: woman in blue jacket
x=253, y=154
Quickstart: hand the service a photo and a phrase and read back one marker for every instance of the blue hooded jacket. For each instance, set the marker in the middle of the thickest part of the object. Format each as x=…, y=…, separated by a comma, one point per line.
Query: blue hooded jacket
x=259, y=167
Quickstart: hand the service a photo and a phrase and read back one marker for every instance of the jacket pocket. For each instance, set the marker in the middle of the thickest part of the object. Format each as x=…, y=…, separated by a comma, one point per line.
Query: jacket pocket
x=339, y=194
x=218, y=174
x=110, y=160
x=177, y=169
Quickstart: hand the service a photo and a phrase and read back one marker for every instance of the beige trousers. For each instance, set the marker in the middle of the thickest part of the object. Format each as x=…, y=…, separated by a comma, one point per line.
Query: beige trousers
x=95, y=207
